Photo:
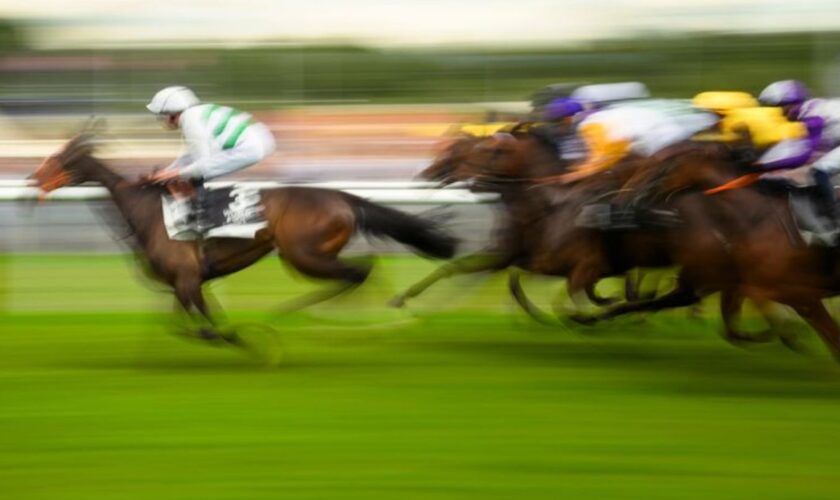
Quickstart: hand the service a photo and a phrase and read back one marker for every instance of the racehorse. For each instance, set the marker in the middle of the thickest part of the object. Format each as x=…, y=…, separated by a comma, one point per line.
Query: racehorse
x=307, y=226
x=769, y=261
x=538, y=231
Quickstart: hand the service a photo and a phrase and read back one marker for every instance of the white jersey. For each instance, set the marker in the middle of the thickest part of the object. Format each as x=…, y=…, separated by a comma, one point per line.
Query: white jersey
x=220, y=140
x=648, y=130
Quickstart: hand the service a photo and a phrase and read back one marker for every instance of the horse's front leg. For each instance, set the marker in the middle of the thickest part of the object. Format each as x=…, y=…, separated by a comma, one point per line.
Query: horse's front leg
x=469, y=264
x=190, y=296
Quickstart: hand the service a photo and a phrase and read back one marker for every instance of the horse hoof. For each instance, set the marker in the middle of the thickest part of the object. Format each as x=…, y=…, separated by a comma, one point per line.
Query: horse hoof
x=739, y=339
x=210, y=334
x=792, y=342
x=583, y=319
x=233, y=339
x=397, y=302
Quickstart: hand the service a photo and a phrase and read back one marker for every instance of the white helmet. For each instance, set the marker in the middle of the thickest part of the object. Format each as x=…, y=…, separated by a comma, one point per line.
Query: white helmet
x=172, y=100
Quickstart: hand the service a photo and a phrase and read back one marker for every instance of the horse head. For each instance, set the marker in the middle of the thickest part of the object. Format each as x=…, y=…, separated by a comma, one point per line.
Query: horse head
x=496, y=160
x=66, y=167
x=448, y=166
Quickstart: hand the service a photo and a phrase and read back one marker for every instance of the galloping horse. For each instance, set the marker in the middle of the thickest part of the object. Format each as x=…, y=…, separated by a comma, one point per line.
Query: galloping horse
x=770, y=262
x=307, y=226
x=538, y=231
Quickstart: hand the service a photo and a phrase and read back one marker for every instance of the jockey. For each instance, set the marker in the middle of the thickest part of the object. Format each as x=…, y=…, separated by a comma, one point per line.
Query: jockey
x=613, y=133
x=795, y=151
x=565, y=112
x=220, y=140
x=822, y=118
x=561, y=114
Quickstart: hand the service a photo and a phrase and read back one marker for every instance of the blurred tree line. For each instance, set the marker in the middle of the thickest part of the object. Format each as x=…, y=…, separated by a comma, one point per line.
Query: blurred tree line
x=286, y=73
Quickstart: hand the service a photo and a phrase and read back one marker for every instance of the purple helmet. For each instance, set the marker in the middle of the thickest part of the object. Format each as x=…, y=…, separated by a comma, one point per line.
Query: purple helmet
x=562, y=107
x=783, y=93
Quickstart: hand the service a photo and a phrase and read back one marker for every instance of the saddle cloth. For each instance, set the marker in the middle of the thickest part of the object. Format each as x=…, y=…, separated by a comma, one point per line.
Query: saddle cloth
x=814, y=227
x=230, y=212
x=608, y=217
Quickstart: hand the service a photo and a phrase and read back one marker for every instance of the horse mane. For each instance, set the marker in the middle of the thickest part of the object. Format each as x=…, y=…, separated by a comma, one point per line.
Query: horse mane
x=542, y=134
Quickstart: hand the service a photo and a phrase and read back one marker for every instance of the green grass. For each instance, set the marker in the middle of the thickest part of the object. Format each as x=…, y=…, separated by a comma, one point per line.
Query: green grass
x=460, y=398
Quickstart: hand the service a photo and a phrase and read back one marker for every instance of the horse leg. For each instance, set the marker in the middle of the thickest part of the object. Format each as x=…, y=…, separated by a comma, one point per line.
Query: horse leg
x=323, y=266
x=475, y=263
x=817, y=316
x=731, y=303
x=632, y=285
x=518, y=293
x=680, y=297
x=191, y=300
x=583, y=278
x=597, y=299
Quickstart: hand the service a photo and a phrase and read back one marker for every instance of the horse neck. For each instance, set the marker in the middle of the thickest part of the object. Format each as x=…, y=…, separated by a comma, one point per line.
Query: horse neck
x=131, y=200
x=528, y=201
x=96, y=171
x=542, y=159
x=741, y=209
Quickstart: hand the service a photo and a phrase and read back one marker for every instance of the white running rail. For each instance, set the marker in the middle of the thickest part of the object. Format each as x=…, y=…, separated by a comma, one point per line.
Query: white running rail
x=407, y=192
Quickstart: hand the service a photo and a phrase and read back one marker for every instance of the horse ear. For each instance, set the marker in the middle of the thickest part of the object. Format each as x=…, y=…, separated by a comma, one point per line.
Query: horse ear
x=94, y=125
x=520, y=128
x=98, y=125
x=80, y=145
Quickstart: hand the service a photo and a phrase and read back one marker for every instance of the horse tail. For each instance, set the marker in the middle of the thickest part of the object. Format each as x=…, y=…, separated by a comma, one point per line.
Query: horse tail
x=422, y=234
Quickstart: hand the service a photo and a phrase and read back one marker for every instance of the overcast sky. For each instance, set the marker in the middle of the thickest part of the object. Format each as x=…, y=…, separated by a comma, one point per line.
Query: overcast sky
x=82, y=22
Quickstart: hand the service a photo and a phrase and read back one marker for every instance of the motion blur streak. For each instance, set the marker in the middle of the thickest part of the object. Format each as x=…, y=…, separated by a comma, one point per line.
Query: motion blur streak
x=105, y=394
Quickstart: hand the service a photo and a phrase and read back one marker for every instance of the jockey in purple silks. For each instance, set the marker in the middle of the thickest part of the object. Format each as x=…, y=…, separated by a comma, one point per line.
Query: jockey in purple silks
x=561, y=112
x=789, y=95
x=822, y=117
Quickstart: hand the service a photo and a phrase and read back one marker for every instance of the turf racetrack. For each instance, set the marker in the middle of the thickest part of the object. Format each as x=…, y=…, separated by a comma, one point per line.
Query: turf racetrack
x=462, y=398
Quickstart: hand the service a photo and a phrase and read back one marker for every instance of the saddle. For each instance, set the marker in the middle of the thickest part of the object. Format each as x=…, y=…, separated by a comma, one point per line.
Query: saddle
x=233, y=211
x=611, y=217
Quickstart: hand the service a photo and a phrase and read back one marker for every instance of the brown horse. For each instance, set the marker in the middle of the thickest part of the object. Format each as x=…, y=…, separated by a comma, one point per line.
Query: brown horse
x=539, y=233
x=537, y=230
x=307, y=226
x=768, y=260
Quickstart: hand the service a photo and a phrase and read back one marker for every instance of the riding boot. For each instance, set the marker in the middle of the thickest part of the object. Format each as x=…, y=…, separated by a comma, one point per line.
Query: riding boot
x=826, y=197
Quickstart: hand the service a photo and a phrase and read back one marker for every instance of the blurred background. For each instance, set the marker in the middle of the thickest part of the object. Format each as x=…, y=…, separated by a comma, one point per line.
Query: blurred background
x=461, y=397
x=362, y=90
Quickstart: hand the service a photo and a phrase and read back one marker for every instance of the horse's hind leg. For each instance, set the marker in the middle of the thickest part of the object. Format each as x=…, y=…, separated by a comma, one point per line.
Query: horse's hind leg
x=680, y=297
x=326, y=267
x=817, y=316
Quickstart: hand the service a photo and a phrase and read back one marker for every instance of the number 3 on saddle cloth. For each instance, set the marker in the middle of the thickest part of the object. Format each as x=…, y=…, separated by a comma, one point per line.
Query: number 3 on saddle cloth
x=227, y=212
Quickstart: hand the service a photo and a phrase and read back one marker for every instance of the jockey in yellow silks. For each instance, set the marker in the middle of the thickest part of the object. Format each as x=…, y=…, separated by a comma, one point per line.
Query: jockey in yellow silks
x=741, y=113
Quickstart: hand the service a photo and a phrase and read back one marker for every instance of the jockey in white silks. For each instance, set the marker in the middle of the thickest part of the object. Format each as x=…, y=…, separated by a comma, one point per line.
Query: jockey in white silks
x=219, y=139
x=611, y=134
